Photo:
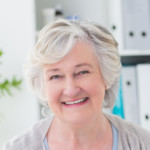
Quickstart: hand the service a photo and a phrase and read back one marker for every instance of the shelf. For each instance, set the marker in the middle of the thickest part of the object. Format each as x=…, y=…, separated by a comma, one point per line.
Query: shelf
x=135, y=59
x=134, y=52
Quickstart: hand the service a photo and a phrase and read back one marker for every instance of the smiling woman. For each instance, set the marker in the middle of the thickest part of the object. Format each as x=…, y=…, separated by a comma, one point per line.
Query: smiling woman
x=76, y=93
x=75, y=69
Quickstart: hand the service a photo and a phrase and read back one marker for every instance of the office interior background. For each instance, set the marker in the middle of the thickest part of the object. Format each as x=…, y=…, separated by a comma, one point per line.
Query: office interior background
x=128, y=21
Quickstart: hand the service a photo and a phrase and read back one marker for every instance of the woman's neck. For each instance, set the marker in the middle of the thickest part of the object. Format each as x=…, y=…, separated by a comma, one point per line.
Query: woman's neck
x=87, y=133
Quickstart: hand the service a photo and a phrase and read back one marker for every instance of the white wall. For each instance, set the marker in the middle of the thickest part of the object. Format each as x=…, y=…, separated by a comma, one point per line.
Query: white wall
x=17, y=37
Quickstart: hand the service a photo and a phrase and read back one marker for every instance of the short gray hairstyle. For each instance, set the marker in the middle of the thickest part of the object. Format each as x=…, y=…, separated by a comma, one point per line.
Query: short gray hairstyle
x=55, y=41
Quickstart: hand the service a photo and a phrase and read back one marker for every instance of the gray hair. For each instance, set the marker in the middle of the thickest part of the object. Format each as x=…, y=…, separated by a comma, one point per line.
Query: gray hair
x=55, y=41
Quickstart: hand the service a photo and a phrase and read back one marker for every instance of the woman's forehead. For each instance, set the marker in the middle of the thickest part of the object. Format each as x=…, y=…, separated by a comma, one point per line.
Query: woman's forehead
x=80, y=56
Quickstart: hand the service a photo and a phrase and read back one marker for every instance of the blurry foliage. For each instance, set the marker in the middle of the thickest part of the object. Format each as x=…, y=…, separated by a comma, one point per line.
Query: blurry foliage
x=6, y=85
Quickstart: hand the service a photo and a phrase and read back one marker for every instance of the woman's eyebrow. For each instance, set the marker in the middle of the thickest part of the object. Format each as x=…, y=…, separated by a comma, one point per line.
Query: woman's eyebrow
x=84, y=64
x=52, y=70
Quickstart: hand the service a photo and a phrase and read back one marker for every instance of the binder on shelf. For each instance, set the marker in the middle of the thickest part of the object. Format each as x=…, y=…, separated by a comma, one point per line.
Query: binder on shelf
x=143, y=81
x=130, y=98
x=115, y=20
x=136, y=24
x=118, y=108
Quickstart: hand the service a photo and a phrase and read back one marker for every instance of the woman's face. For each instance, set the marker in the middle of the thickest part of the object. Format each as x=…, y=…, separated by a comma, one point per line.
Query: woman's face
x=74, y=86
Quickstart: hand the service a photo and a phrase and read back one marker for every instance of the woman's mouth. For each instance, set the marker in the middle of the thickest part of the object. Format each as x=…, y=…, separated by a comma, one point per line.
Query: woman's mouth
x=76, y=102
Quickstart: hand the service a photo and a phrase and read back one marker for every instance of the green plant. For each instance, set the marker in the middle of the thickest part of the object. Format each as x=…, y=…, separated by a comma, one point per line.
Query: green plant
x=6, y=85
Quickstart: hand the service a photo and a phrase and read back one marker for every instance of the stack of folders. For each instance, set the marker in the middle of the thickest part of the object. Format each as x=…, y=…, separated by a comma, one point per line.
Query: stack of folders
x=129, y=22
x=143, y=78
x=133, y=102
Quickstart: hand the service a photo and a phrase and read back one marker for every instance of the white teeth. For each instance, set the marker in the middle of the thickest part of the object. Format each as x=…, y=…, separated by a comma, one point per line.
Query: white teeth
x=75, y=102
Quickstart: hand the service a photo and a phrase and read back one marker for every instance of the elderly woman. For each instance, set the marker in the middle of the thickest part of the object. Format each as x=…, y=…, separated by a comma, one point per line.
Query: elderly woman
x=75, y=69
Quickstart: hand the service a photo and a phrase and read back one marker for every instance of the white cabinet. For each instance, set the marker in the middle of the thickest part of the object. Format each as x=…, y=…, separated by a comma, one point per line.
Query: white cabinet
x=95, y=10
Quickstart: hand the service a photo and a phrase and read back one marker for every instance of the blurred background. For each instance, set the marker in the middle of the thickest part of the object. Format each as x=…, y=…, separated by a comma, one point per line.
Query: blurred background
x=20, y=22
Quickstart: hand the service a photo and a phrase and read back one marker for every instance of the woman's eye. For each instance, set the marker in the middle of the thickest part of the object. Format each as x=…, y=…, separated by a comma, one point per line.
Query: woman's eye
x=83, y=72
x=55, y=77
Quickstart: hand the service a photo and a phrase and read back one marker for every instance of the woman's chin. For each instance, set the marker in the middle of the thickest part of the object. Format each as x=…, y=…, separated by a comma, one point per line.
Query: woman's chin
x=78, y=119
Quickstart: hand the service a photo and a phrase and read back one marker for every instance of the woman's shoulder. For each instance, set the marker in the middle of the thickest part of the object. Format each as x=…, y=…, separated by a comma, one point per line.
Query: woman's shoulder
x=31, y=138
x=131, y=134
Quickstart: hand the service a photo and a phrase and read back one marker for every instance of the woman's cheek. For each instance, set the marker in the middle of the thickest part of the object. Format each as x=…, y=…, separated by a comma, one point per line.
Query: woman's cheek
x=53, y=93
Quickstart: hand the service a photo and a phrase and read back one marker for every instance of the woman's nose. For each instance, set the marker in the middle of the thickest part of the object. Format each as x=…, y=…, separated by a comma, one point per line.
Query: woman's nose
x=71, y=88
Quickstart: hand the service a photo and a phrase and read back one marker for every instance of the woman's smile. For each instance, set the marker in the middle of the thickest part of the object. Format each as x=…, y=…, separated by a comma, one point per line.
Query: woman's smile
x=76, y=102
